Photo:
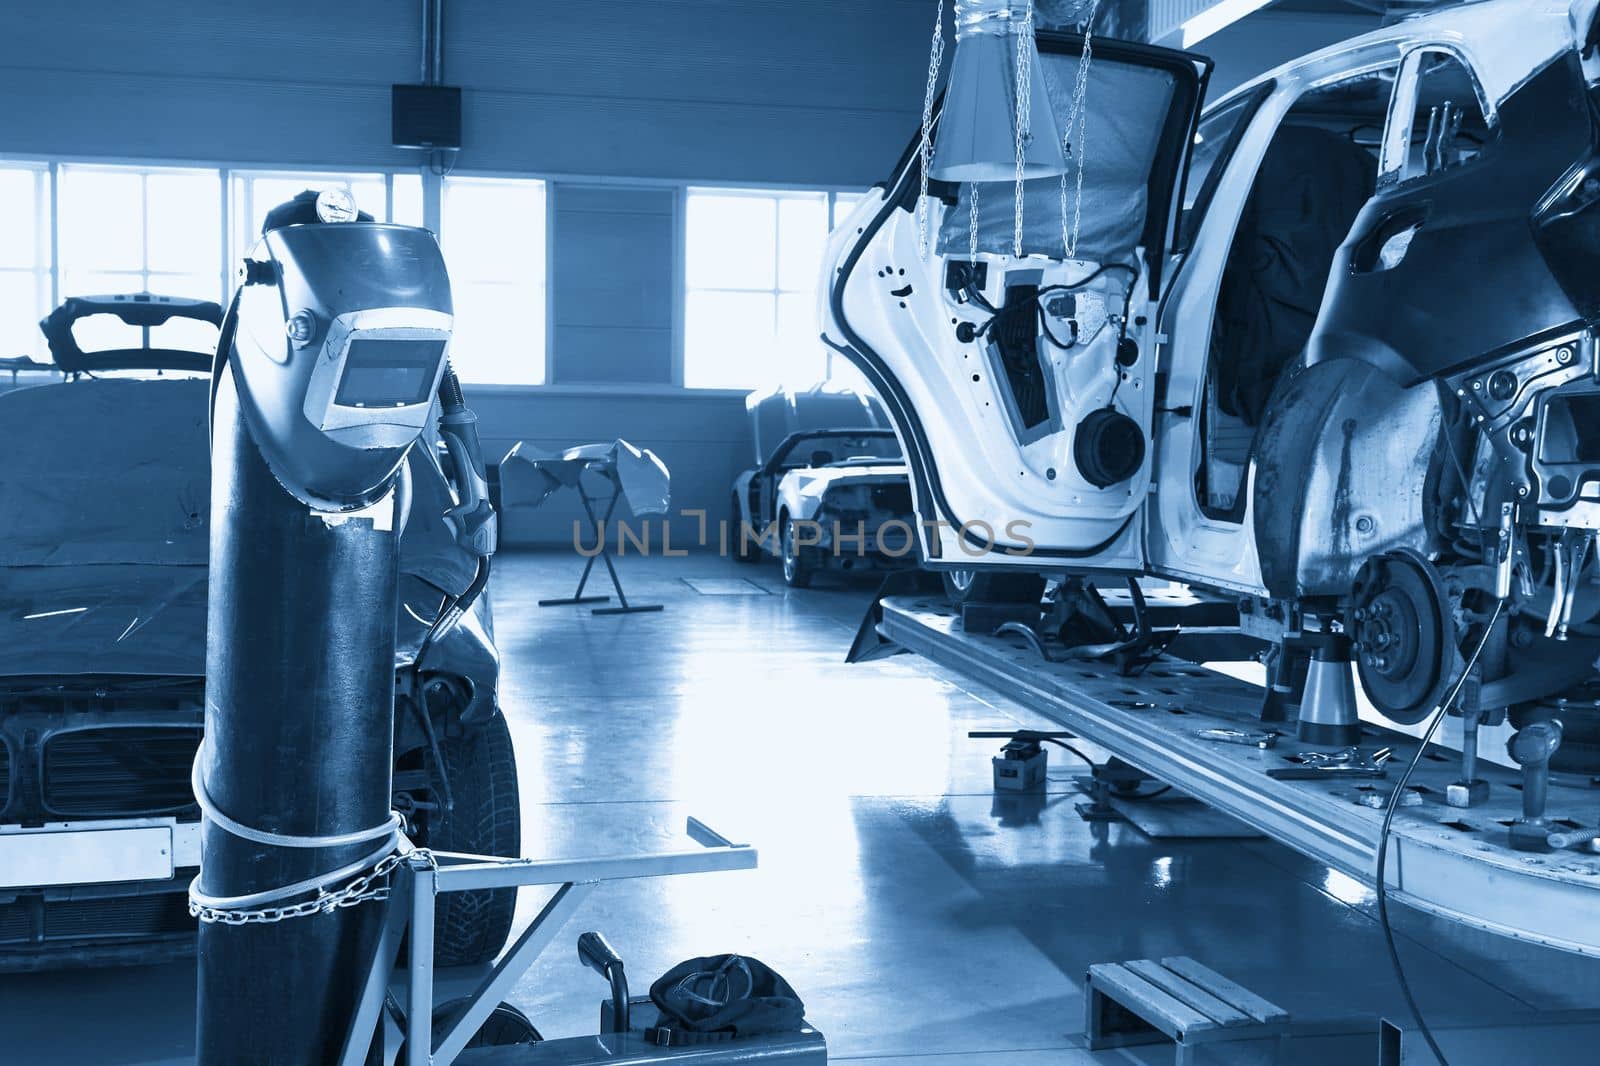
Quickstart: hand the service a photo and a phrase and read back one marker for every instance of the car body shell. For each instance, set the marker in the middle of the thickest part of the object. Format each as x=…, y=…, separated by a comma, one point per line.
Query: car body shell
x=956, y=443
x=967, y=463
x=1355, y=454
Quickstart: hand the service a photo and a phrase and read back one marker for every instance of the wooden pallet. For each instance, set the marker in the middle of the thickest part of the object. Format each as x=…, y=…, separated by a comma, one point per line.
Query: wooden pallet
x=1177, y=999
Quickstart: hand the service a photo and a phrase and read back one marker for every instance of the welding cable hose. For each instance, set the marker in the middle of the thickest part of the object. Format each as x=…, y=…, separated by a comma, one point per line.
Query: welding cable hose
x=1380, y=874
x=389, y=832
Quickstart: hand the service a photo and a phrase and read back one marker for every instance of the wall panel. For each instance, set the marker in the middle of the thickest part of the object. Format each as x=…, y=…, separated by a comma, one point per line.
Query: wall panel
x=612, y=297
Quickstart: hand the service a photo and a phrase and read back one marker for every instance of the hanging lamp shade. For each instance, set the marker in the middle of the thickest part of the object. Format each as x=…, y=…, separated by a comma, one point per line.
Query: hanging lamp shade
x=977, y=138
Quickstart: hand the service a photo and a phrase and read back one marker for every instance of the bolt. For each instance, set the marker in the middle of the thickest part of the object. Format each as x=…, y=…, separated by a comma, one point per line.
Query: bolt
x=1364, y=524
x=1477, y=386
x=1522, y=490
x=1563, y=356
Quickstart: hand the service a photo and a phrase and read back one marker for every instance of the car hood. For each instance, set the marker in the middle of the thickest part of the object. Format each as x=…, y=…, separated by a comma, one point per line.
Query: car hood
x=131, y=618
x=105, y=529
x=142, y=619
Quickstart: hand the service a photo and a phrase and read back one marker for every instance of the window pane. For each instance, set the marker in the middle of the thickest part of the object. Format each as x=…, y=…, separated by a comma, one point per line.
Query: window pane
x=20, y=312
x=23, y=218
x=267, y=191
x=842, y=373
x=185, y=222
x=731, y=241
x=499, y=333
x=372, y=196
x=185, y=335
x=844, y=203
x=100, y=283
x=802, y=232
x=195, y=286
x=99, y=333
x=493, y=230
x=802, y=358
x=730, y=340
x=102, y=219
x=493, y=236
x=407, y=199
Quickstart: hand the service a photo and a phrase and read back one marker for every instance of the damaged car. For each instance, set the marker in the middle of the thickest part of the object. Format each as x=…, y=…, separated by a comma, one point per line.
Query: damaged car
x=1326, y=351
x=829, y=491
x=104, y=539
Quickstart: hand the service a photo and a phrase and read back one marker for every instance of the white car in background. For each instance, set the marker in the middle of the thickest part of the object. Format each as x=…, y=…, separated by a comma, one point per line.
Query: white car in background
x=829, y=489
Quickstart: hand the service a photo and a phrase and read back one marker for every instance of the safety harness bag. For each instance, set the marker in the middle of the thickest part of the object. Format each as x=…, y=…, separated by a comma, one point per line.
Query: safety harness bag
x=723, y=997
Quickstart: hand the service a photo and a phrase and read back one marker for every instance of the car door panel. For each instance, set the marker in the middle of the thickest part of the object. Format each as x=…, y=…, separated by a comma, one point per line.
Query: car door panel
x=999, y=473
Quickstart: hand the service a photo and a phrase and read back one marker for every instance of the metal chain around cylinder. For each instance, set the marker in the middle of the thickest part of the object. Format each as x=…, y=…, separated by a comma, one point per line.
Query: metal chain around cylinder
x=1072, y=140
x=359, y=889
x=925, y=150
x=1022, y=122
x=972, y=226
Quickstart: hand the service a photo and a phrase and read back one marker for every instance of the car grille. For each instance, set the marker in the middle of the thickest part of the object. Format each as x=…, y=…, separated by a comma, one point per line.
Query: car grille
x=119, y=771
x=896, y=498
x=94, y=919
x=15, y=923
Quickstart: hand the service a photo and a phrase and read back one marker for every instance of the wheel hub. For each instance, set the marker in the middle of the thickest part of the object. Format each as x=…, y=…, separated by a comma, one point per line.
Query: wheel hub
x=1404, y=637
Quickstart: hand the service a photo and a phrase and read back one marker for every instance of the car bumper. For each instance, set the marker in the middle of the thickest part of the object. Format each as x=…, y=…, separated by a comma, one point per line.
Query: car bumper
x=96, y=893
x=99, y=835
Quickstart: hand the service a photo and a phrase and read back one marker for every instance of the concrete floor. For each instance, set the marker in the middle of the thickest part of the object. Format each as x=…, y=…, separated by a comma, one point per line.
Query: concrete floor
x=922, y=921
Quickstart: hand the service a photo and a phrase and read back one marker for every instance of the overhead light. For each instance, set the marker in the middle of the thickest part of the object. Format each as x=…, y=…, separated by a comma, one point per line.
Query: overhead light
x=977, y=139
x=1218, y=16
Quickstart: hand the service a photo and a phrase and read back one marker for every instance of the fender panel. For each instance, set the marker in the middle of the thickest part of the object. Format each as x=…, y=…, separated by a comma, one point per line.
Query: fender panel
x=1343, y=472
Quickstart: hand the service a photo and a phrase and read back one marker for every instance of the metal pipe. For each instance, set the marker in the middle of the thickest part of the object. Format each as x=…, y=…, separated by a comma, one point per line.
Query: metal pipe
x=426, y=73
x=299, y=733
x=438, y=42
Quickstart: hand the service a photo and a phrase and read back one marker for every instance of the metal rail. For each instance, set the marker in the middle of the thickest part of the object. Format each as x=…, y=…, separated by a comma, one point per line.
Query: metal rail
x=1452, y=862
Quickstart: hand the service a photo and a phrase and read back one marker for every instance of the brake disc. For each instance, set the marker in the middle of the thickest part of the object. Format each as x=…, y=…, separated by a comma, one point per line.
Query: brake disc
x=1405, y=634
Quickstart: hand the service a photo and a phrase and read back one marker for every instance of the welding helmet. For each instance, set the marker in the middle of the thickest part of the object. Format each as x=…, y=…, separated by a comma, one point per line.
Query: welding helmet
x=339, y=343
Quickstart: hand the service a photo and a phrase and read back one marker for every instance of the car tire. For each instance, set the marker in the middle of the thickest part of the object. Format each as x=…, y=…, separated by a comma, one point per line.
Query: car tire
x=741, y=547
x=963, y=586
x=797, y=568
x=485, y=819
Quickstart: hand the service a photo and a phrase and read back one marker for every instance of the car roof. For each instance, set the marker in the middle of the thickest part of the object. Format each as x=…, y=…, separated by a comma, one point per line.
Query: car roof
x=1504, y=41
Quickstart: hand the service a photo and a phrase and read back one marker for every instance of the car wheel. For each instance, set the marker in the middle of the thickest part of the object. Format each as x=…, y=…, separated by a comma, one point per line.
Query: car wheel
x=743, y=550
x=485, y=819
x=797, y=569
x=964, y=586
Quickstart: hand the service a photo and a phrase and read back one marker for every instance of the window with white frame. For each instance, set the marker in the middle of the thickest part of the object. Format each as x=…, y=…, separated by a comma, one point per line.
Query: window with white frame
x=26, y=277
x=387, y=198
x=180, y=231
x=493, y=234
x=752, y=260
x=140, y=229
